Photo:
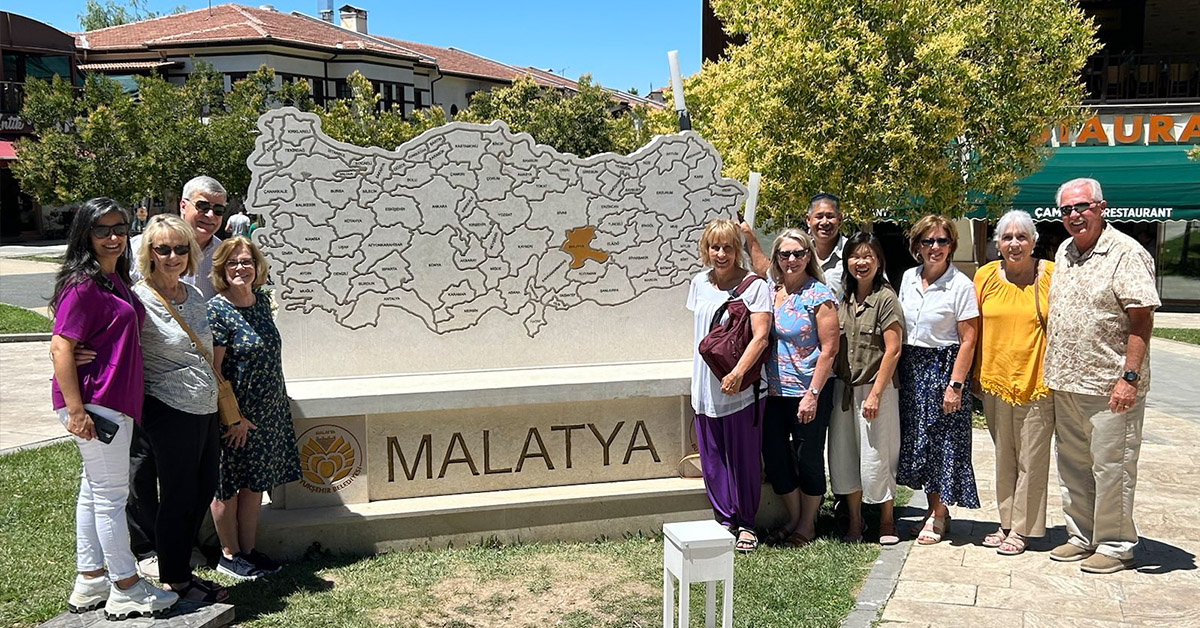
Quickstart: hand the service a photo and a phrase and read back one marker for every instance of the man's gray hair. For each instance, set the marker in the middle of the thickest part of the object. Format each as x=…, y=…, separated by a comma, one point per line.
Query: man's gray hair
x=1019, y=219
x=1097, y=193
x=205, y=185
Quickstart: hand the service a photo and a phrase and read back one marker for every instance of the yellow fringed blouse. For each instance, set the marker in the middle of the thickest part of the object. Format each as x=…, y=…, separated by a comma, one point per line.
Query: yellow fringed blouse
x=1012, y=341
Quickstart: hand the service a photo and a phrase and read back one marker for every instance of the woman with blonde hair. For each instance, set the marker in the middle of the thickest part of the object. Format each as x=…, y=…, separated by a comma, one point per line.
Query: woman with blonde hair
x=180, y=418
x=940, y=311
x=804, y=341
x=1013, y=297
x=728, y=433
x=260, y=452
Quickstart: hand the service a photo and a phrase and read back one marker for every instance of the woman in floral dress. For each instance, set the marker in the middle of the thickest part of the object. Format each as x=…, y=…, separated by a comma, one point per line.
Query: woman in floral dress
x=260, y=451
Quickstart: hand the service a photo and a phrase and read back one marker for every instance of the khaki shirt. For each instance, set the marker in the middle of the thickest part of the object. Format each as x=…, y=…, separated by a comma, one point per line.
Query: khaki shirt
x=861, y=346
x=1088, y=327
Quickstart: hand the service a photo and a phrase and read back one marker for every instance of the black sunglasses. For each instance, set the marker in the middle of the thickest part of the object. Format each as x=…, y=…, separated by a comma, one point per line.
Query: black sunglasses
x=165, y=250
x=205, y=207
x=103, y=231
x=1077, y=207
x=797, y=254
x=937, y=241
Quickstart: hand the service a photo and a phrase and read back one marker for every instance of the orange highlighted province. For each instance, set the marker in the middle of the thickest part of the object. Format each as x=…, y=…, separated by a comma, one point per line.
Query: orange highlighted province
x=578, y=246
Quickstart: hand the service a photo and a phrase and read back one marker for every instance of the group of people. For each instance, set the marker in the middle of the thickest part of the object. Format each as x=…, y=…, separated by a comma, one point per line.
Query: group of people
x=889, y=377
x=141, y=331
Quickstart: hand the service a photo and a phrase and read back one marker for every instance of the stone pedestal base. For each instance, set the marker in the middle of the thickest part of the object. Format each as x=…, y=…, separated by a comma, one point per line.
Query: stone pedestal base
x=187, y=614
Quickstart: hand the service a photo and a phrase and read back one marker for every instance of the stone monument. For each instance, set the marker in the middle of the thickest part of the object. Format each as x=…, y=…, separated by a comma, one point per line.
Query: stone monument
x=476, y=313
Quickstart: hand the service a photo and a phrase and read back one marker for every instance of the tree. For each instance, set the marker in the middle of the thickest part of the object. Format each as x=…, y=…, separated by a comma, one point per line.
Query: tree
x=909, y=107
x=96, y=15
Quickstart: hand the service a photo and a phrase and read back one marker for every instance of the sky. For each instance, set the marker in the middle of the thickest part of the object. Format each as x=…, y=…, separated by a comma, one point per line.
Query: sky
x=621, y=43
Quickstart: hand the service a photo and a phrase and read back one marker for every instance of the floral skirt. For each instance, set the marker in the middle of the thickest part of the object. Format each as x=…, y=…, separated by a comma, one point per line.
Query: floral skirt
x=935, y=447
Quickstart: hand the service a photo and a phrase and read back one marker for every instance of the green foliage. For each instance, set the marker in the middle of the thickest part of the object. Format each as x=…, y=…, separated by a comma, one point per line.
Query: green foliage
x=18, y=320
x=906, y=106
x=102, y=15
x=1194, y=153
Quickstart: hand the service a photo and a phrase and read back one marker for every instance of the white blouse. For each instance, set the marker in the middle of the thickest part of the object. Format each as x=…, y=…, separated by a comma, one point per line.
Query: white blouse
x=703, y=300
x=931, y=316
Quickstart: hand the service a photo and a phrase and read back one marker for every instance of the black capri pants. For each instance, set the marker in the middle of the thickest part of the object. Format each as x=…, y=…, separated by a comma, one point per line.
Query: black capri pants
x=794, y=452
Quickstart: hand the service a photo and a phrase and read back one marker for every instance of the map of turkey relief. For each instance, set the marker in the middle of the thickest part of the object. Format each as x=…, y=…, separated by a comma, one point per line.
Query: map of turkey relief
x=473, y=230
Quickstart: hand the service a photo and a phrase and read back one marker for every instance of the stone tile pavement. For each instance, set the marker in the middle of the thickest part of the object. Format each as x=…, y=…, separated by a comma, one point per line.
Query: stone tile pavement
x=961, y=583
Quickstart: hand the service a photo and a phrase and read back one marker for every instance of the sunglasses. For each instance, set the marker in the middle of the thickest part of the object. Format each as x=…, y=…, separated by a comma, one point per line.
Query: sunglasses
x=796, y=254
x=103, y=231
x=1077, y=207
x=205, y=207
x=937, y=241
x=165, y=250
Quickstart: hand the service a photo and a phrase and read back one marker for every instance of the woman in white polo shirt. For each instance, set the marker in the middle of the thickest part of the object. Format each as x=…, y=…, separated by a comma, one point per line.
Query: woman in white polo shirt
x=940, y=312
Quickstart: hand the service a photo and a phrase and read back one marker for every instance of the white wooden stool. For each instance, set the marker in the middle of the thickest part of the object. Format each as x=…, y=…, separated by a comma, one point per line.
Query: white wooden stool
x=697, y=551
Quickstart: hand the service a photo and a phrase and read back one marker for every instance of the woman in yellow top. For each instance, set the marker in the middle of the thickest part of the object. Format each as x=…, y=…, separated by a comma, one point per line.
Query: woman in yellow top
x=1012, y=295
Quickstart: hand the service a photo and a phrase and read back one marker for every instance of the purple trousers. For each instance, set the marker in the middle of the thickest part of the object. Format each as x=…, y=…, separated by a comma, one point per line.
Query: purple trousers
x=731, y=463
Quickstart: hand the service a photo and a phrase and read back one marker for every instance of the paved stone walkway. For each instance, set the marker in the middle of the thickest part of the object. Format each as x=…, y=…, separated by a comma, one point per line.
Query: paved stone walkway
x=961, y=583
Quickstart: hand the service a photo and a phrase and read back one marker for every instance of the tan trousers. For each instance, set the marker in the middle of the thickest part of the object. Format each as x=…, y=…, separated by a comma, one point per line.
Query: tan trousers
x=1021, y=435
x=1097, y=469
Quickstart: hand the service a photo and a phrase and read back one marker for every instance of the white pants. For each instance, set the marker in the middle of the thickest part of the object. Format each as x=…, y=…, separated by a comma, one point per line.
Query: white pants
x=1097, y=470
x=864, y=454
x=101, y=531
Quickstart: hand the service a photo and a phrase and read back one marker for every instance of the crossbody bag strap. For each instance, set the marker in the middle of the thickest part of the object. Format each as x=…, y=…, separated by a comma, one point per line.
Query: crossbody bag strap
x=186, y=327
x=1037, y=302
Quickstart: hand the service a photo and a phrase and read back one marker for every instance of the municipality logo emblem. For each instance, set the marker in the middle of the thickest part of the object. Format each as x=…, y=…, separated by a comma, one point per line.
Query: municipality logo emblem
x=330, y=458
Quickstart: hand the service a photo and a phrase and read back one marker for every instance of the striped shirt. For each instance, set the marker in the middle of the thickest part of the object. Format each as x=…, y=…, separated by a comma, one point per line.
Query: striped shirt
x=177, y=372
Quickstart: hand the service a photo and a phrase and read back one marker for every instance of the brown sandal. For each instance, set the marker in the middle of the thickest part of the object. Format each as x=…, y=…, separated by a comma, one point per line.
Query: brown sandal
x=796, y=540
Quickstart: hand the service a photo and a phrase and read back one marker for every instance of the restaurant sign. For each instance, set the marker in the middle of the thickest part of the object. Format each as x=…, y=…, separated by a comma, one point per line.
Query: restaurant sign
x=1128, y=129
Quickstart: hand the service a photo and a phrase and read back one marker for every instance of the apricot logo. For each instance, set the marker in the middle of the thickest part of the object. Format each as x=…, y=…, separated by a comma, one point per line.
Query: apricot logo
x=330, y=458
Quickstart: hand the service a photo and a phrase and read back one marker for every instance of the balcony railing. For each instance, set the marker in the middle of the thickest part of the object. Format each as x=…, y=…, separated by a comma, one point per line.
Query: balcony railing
x=1147, y=78
x=12, y=97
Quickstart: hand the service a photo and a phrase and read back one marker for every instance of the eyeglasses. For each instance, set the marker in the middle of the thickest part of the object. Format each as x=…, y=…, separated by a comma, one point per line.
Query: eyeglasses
x=1077, y=207
x=120, y=229
x=238, y=263
x=794, y=254
x=165, y=249
x=204, y=207
x=927, y=242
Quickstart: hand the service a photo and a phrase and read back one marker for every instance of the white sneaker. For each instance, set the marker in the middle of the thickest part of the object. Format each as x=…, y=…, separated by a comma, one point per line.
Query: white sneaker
x=148, y=567
x=139, y=600
x=88, y=594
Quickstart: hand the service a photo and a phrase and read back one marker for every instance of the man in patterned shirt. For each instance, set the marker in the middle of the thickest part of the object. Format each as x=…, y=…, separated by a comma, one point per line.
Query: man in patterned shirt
x=1102, y=302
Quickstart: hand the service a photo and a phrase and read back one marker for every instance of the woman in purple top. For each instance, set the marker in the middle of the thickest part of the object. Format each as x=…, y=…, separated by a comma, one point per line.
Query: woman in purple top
x=94, y=307
x=804, y=341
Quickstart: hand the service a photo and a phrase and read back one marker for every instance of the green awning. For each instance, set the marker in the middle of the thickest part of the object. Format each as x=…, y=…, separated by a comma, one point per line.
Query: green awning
x=1140, y=183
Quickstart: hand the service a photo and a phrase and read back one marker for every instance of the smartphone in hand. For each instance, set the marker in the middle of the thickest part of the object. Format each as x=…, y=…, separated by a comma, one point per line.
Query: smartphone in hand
x=106, y=429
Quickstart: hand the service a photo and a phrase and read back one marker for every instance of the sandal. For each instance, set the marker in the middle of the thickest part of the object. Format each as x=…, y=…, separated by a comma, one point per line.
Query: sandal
x=995, y=538
x=777, y=536
x=887, y=535
x=746, y=545
x=204, y=591
x=1012, y=546
x=932, y=533
x=796, y=540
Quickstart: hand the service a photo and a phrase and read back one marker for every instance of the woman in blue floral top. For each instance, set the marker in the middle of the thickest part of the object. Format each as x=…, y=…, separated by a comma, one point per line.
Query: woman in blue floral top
x=804, y=341
x=260, y=451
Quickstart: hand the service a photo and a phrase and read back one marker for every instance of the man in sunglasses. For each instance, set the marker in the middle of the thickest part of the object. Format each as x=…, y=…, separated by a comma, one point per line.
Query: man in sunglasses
x=201, y=206
x=824, y=220
x=1097, y=366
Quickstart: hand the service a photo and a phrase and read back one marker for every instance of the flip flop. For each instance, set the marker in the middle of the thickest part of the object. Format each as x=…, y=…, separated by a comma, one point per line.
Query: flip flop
x=995, y=538
x=744, y=545
x=1012, y=546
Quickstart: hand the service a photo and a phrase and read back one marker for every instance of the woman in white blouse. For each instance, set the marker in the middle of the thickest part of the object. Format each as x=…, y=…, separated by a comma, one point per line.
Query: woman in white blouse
x=940, y=313
x=728, y=419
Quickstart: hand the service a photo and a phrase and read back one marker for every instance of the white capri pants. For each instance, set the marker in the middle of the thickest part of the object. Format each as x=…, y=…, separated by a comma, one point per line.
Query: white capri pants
x=864, y=454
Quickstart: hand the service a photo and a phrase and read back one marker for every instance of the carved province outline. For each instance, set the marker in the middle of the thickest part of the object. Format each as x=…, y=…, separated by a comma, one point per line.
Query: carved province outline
x=468, y=219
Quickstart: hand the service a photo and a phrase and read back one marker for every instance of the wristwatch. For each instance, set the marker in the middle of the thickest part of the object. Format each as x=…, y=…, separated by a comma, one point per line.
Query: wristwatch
x=956, y=385
x=1130, y=376
x=814, y=391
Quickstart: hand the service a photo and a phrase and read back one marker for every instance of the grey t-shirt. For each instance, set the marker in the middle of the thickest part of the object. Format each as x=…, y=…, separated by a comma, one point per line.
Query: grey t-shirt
x=177, y=372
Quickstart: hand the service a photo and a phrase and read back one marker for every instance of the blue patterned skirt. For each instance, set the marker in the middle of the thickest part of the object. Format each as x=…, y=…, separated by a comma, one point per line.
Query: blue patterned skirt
x=935, y=447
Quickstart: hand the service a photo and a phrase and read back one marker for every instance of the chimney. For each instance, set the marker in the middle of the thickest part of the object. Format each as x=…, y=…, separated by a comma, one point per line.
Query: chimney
x=354, y=18
x=325, y=10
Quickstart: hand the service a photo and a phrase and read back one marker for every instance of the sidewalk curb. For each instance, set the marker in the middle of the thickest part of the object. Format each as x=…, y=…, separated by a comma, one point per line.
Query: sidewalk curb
x=43, y=337
x=881, y=582
x=37, y=445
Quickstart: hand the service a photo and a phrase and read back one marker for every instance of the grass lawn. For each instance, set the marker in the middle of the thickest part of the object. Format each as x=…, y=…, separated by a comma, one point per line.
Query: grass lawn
x=18, y=320
x=52, y=259
x=1180, y=335
x=606, y=583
